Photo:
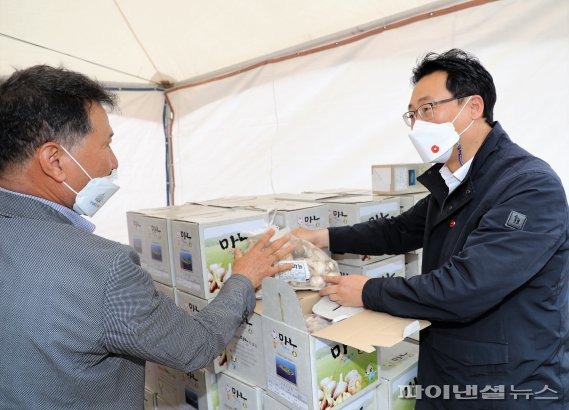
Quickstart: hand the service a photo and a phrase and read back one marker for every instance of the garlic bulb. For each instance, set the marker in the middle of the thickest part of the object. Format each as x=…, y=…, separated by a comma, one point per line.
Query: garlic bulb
x=314, y=323
x=341, y=387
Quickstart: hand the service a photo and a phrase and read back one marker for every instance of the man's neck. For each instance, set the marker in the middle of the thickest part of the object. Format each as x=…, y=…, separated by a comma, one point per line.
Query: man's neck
x=469, y=145
x=26, y=183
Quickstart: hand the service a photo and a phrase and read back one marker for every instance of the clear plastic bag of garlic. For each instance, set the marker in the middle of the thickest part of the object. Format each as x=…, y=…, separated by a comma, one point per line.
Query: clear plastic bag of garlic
x=317, y=262
x=314, y=322
x=310, y=263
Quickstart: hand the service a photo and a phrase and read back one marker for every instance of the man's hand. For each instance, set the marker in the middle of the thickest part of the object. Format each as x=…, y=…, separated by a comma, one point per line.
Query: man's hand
x=319, y=237
x=345, y=290
x=258, y=262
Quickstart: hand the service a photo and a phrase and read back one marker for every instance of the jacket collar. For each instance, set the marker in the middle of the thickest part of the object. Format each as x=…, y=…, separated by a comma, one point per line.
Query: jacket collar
x=434, y=182
x=15, y=206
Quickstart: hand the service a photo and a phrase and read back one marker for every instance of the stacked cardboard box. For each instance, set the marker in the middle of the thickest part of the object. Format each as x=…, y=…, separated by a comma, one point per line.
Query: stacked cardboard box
x=349, y=210
x=273, y=362
x=399, y=376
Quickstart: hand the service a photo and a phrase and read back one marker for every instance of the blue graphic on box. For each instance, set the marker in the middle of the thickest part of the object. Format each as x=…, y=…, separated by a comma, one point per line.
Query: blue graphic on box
x=285, y=369
x=186, y=261
x=156, y=252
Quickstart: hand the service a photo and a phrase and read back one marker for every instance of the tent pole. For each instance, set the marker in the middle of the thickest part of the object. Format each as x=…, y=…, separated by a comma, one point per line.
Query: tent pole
x=168, y=122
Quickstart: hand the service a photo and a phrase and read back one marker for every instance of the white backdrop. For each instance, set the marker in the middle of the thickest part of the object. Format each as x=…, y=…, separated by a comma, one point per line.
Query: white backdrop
x=322, y=120
x=138, y=143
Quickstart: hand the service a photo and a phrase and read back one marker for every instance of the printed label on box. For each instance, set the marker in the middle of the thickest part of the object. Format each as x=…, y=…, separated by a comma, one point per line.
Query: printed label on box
x=287, y=392
x=379, y=211
x=309, y=222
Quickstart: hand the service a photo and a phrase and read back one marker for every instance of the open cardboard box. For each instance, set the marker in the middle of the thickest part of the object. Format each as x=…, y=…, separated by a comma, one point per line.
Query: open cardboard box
x=297, y=362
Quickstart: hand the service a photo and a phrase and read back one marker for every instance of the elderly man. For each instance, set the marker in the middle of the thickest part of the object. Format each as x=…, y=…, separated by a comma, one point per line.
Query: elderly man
x=79, y=315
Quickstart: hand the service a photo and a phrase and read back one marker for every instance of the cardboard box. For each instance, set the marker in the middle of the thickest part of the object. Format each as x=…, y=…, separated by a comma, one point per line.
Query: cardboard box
x=237, y=395
x=148, y=400
x=203, y=245
x=414, y=338
x=387, y=268
x=410, y=200
x=165, y=290
x=339, y=191
x=283, y=213
x=150, y=377
x=399, y=374
x=232, y=201
x=413, y=264
x=307, y=196
x=200, y=388
x=148, y=231
x=294, y=214
x=350, y=210
x=162, y=404
x=245, y=353
x=136, y=233
x=192, y=304
x=366, y=401
x=391, y=179
x=297, y=363
x=271, y=404
x=170, y=385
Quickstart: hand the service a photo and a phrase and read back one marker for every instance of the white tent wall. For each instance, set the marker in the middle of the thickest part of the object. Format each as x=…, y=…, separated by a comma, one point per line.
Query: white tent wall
x=138, y=143
x=322, y=120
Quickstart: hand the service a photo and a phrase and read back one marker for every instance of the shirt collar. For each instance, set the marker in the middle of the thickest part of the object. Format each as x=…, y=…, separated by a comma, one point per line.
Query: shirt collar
x=77, y=220
x=453, y=179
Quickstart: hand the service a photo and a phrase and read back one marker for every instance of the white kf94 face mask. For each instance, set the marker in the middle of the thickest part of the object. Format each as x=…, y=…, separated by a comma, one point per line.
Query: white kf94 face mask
x=93, y=195
x=434, y=141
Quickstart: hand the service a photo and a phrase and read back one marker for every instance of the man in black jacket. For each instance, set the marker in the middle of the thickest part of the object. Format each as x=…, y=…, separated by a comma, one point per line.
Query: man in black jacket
x=494, y=232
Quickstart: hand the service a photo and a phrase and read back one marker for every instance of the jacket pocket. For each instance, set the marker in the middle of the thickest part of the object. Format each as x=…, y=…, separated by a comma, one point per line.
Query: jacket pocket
x=471, y=352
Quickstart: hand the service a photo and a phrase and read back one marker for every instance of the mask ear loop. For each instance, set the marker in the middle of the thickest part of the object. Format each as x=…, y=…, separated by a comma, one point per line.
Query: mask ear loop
x=77, y=162
x=458, y=145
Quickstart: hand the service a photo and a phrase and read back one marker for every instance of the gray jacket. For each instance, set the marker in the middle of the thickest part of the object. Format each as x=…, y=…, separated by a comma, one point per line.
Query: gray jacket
x=79, y=316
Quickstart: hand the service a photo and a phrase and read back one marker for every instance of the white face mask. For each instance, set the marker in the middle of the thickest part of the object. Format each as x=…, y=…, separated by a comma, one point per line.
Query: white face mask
x=434, y=141
x=93, y=195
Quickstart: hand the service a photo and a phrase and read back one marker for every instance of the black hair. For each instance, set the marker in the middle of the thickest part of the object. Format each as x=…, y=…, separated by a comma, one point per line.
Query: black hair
x=465, y=76
x=42, y=104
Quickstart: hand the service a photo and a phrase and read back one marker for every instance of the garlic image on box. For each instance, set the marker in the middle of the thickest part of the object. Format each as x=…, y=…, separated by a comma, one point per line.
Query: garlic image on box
x=217, y=275
x=354, y=380
x=333, y=393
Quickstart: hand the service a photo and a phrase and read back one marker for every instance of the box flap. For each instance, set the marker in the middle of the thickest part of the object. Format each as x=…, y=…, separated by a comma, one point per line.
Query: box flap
x=284, y=205
x=369, y=329
x=304, y=196
x=284, y=305
x=220, y=215
x=357, y=199
x=364, y=331
x=258, y=307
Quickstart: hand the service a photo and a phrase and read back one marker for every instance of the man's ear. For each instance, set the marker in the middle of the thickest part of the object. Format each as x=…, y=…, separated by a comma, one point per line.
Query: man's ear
x=476, y=107
x=49, y=157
